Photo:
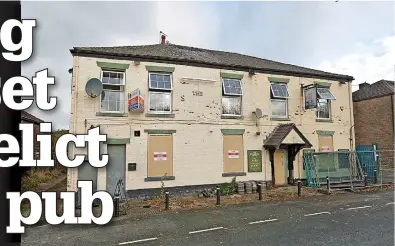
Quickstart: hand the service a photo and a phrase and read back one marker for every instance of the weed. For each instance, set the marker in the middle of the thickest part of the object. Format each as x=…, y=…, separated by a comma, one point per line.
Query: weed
x=32, y=179
x=228, y=188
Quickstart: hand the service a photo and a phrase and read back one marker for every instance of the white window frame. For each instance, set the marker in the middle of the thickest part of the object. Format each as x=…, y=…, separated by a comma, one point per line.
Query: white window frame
x=241, y=103
x=160, y=91
x=282, y=99
x=276, y=97
x=286, y=108
x=121, y=89
x=159, y=112
x=318, y=94
x=329, y=110
x=113, y=71
x=232, y=95
x=329, y=103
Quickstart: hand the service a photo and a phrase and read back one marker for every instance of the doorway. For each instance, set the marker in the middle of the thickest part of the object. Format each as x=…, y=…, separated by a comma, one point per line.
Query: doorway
x=86, y=172
x=116, y=167
x=279, y=167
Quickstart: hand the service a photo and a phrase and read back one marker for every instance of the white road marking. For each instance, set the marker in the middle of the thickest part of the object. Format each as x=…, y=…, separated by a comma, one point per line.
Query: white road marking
x=211, y=229
x=139, y=241
x=262, y=221
x=359, y=207
x=390, y=203
x=316, y=214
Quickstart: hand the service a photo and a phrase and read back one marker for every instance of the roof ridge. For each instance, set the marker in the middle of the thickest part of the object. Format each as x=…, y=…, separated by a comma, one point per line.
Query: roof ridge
x=208, y=56
x=235, y=53
x=388, y=85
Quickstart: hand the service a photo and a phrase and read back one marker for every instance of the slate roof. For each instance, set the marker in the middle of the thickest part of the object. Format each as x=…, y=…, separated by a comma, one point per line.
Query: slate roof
x=279, y=133
x=204, y=57
x=30, y=118
x=377, y=89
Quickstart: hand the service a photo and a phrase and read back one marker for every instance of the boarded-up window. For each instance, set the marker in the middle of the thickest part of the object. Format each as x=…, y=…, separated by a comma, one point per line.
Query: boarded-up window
x=160, y=155
x=325, y=143
x=233, y=153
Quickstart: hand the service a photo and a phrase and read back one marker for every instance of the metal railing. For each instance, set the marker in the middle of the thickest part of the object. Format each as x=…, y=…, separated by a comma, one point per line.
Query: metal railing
x=349, y=169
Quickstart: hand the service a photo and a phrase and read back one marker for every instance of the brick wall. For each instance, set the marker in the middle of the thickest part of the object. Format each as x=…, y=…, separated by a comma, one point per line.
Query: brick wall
x=373, y=124
x=36, y=131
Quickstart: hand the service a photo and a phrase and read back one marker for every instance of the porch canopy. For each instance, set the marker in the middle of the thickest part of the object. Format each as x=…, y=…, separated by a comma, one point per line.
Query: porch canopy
x=287, y=137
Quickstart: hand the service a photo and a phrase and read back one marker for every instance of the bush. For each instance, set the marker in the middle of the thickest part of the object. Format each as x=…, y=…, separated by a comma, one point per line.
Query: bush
x=228, y=188
x=32, y=179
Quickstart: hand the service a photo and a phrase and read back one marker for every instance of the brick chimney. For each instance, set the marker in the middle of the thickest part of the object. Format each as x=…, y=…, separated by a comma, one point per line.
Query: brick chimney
x=364, y=85
x=163, y=39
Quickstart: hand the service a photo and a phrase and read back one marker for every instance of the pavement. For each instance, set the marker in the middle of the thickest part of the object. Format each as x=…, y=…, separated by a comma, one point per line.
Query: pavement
x=345, y=219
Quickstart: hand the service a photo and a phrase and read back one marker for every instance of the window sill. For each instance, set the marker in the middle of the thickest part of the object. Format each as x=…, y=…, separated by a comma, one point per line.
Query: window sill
x=112, y=114
x=232, y=117
x=324, y=120
x=148, y=179
x=234, y=174
x=279, y=119
x=160, y=115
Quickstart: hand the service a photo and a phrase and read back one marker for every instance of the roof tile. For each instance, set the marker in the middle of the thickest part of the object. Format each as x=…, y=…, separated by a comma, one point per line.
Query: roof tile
x=377, y=89
x=30, y=118
x=279, y=133
x=172, y=52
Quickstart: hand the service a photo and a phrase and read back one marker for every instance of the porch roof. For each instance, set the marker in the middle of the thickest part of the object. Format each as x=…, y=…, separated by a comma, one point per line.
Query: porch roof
x=276, y=138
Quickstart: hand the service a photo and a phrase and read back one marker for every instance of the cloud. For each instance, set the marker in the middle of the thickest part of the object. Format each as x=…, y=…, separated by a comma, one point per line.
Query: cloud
x=371, y=62
x=63, y=25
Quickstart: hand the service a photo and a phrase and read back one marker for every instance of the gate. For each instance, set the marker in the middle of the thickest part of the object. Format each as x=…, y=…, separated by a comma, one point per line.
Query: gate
x=368, y=159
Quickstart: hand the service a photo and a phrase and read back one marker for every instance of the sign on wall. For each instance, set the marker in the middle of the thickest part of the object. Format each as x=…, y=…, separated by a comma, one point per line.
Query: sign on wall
x=310, y=98
x=254, y=158
x=233, y=154
x=325, y=149
x=197, y=93
x=160, y=156
x=135, y=101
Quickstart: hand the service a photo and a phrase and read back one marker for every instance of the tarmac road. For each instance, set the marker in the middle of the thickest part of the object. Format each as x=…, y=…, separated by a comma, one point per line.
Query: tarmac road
x=348, y=219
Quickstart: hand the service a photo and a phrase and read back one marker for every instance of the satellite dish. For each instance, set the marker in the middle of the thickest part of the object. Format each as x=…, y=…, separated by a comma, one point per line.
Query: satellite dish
x=94, y=87
x=258, y=113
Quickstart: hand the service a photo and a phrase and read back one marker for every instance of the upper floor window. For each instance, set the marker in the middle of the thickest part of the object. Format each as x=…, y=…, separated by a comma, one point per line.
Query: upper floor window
x=279, y=100
x=231, y=96
x=112, y=98
x=160, y=92
x=324, y=97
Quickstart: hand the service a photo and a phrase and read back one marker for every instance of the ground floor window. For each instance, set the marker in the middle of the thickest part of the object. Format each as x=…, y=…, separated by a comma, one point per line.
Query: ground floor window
x=160, y=155
x=233, y=153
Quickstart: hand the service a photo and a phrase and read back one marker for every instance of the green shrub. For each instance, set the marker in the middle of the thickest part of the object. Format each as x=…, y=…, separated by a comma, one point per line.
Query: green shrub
x=32, y=179
x=228, y=188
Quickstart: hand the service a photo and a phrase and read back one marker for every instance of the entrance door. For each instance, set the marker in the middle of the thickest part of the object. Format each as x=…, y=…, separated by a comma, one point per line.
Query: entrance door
x=279, y=167
x=116, y=166
x=87, y=173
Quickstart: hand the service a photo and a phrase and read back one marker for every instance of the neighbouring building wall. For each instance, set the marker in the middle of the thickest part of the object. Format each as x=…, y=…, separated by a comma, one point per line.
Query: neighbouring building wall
x=374, y=125
x=374, y=122
x=197, y=137
x=36, y=131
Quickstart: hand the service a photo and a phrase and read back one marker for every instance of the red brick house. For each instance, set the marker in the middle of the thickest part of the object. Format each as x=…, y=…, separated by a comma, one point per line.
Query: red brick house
x=374, y=116
x=29, y=118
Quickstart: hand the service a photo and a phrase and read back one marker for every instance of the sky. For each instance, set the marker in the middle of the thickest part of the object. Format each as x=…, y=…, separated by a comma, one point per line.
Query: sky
x=352, y=38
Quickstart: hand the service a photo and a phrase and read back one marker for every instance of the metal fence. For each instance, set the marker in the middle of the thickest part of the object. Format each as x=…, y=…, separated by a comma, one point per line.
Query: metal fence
x=346, y=169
